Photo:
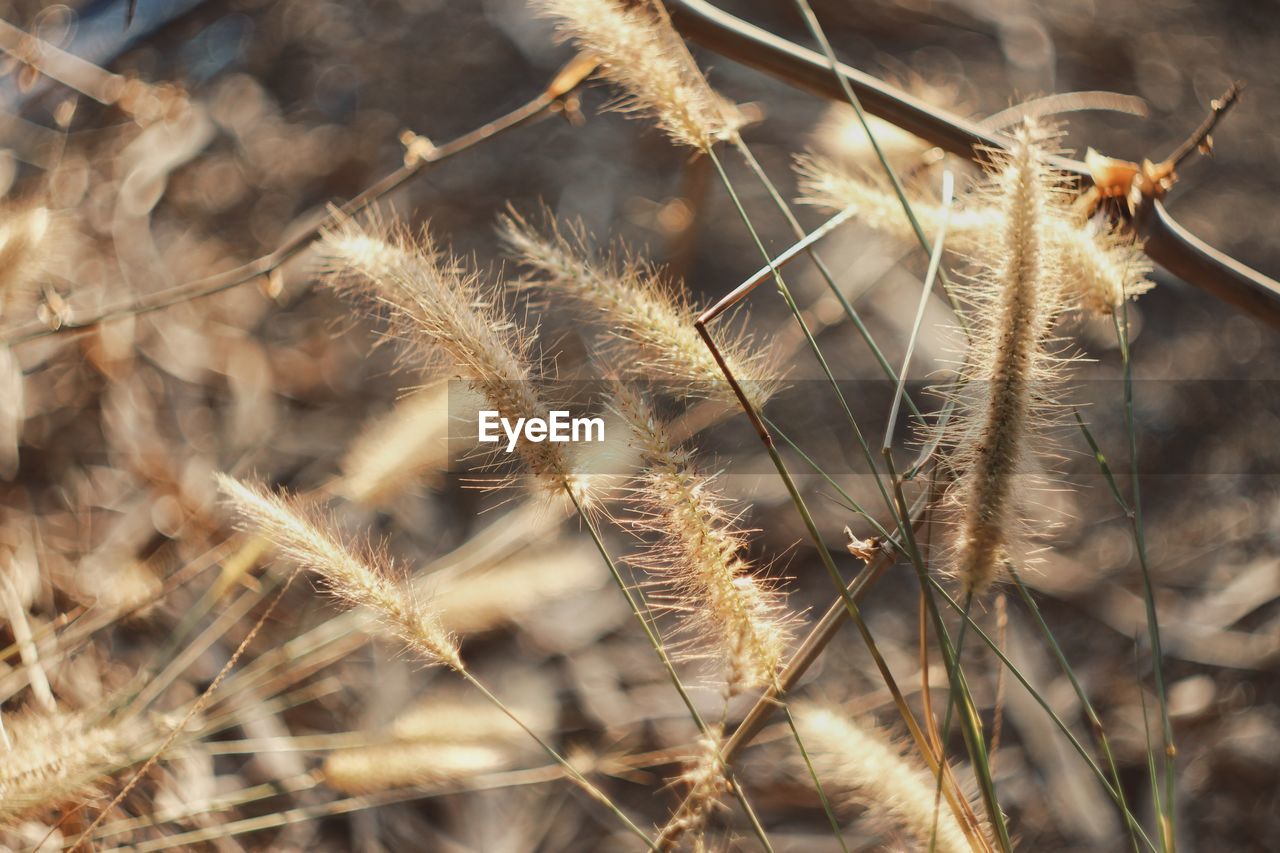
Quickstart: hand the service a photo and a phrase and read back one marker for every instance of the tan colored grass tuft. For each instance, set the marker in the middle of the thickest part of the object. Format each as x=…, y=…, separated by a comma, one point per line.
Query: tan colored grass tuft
x=1011, y=374
x=60, y=759
x=299, y=538
x=25, y=237
x=1101, y=267
x=406, y=446
x=381, y=767
x=649, y=317
x=643, y=56
x=698, y=558
x=519, y=586
x=705, y=781
x=441, y=305
x=863, y=768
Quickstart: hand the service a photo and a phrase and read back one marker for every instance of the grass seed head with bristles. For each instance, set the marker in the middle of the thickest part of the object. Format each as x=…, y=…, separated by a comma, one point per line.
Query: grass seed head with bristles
x=56, y=759
x=395, y=452
x=706, y=782
x=650, y=319
x=298, y=537
x=383, y=766
x=1101, y=268
x=863, y=767
x=1011, y=374
x=25, y=245
x=698, y=558
x=644, y=57
x=437, y=302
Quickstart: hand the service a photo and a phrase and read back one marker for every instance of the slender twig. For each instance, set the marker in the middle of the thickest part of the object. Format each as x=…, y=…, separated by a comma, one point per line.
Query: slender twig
x=1166, y=242
x=421, y=158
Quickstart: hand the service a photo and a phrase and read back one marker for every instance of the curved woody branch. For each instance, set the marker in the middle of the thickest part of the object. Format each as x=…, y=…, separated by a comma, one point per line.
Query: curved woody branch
x=1166, y=242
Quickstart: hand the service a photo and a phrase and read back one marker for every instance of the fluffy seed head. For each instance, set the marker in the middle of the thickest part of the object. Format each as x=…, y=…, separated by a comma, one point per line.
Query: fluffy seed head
x=435, y=301
x=25, y=236
x=298, y=537
x=405, y=446
x=55, y=759
x=1014, y=304
x=643, y=56
x=705, y=781
x=1100, y=268
x=381, y=767
x=650, y=318
x=698, y=558
x=864, y=768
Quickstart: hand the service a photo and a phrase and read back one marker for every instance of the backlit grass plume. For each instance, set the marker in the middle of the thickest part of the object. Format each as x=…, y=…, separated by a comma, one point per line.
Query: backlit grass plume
x=356, y=581
x=1101, y=267
x=649, y=317
x=643, y=56
x=383, y=766
x=861, y=766
x=436, y=302
x=706, y=781
x=352, y=579
x=392, y=453
x=1013, y=305
x=25, y=237
x=51, y=760
x=698, y=558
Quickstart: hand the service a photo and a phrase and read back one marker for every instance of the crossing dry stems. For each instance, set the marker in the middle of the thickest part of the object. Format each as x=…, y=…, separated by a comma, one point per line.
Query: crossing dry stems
x=693, y=590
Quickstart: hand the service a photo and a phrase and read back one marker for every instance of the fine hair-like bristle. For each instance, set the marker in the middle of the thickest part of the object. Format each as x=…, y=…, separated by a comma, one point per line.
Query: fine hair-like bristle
x=298, y=537
x=859, y=765
x=649, y=317
x=643, y=56
x=1101, y=268
x=436, y=301
x=1010, y=373
x=698, y=558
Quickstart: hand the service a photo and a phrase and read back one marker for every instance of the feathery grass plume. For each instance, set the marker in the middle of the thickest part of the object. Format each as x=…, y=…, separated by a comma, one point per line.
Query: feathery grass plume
x=649, y=317
x=448, y=718
x=519, y=586
x=56, y=759
x=392, y=453
x=383, y=766
x=1101, y=267
x=24, y=247
x=841, y=137
x=435, y=301
x=352, y=579
x=644, y=57
x=13, y=412
x=867, y=770
x=706, y=782
x=698, y=559
x=1012, y=307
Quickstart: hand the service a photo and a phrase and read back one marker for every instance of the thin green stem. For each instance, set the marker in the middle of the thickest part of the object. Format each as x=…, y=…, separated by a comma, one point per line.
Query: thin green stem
x=754, y=165
x=1114, y=793
x=1168, y=809
x=660, y=650
x=1094, y=721
x=551, y=751
x=975, y=741
x=795, y=310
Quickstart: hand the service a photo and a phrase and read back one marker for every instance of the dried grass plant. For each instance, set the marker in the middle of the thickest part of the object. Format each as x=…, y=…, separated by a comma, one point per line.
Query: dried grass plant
x=632, y=644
